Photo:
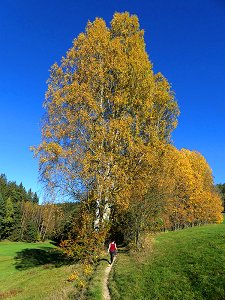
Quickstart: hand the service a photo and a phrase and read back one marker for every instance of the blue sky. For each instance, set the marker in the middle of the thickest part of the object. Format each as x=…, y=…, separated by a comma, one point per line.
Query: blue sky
x=185, y=41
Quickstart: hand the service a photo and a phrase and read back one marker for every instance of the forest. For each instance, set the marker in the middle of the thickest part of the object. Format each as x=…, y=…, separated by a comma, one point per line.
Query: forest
x=23, y=218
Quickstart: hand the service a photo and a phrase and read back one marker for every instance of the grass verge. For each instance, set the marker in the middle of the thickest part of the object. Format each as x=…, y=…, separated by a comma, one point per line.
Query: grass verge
x=95, y=291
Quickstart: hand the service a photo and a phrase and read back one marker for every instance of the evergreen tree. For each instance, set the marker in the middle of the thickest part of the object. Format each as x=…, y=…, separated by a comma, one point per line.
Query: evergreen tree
x=3, y=184
x=29, y=195
x=16, y=228
x=8, y=218
x=2, y=213
x=31, y=234
x=35, y=198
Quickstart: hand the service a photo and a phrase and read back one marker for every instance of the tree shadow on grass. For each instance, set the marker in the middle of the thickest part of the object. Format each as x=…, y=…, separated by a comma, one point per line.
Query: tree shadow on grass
x=46, y=257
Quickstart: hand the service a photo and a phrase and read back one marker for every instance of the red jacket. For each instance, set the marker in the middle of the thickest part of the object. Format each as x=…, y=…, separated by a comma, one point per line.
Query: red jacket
x=112, y=247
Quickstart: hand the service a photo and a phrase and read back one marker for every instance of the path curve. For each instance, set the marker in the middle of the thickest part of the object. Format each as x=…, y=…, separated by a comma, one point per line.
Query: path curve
x=106, y=295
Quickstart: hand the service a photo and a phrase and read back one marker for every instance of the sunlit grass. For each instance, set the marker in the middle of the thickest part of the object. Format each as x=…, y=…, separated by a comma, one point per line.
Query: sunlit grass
x=95, y=289
x=187, y=264
x=33, y=271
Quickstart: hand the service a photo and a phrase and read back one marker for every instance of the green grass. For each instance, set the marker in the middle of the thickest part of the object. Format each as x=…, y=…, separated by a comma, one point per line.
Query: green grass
x=33, y=271
x=95, y=291
x=187, y=264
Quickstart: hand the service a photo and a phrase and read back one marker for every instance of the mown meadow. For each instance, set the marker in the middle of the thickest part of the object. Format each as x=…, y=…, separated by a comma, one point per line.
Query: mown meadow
x=34, y=271
x=186, y=264
x=41, y=271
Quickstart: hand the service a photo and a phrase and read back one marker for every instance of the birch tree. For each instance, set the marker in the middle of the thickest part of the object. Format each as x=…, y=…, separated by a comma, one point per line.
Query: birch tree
x=106, y=111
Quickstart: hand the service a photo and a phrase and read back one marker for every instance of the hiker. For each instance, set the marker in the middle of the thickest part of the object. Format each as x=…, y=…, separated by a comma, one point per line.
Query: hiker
x=112, y=250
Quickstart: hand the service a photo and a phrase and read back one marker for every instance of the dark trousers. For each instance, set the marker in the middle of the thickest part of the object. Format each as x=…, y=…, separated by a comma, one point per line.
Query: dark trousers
x=112, y=254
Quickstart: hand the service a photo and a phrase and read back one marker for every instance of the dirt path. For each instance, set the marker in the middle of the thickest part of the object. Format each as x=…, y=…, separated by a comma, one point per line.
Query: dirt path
x=106, y=295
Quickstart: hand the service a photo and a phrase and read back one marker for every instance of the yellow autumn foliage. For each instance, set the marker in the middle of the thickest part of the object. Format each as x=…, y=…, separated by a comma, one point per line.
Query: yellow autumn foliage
x=107, y=131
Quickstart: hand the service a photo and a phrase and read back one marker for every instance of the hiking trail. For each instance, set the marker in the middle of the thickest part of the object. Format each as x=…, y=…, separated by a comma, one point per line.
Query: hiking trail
x=106, y=295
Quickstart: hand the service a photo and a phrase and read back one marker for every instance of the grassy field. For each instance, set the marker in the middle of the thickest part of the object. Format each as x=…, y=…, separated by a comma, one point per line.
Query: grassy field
x=187, y=264
x=34, y=271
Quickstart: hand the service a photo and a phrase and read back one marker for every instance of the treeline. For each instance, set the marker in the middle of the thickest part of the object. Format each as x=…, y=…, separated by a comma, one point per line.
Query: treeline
x=173, y=189
x=22, y=218
x=177, y=192
x=45, y=221
x=13, y=199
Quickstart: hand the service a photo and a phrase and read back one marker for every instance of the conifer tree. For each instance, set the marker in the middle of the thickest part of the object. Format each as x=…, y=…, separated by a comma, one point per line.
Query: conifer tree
x=2, y=213
x=8, y=218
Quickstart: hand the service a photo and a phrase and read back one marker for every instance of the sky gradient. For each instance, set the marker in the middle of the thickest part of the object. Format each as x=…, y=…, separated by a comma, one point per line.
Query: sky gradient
x=185, y=41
